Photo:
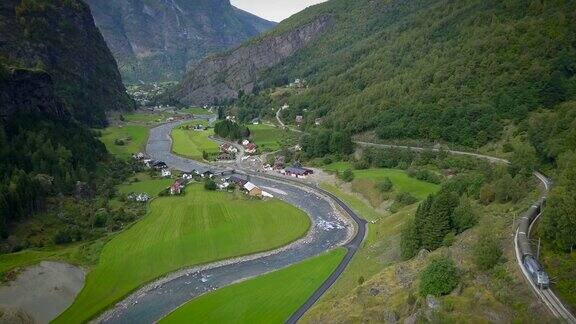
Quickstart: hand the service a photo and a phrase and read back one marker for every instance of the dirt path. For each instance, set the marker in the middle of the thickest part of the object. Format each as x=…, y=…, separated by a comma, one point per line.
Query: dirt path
x=40, y=292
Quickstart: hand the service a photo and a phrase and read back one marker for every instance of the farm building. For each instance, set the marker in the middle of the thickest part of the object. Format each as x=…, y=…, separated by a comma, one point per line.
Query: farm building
x=251, y=148
x=176, y=187
x=165, y=173
x=298, y=172
x=239, y=182
x=253, y=190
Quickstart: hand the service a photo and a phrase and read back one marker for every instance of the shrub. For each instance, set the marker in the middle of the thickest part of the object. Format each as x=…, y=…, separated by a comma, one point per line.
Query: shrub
x=487, y=195
x=63, y=236
x=464, y=216
x=386, y=185
x=405, y=198
x=487, y=252
x=439, y=278
x=449, y=239
x=119, y=142
x=347, y=175
x=210, y=185
x=409, y=241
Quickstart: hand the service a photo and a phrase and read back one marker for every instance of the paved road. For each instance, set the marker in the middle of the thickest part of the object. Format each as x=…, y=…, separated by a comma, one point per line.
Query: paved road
x=328, y=231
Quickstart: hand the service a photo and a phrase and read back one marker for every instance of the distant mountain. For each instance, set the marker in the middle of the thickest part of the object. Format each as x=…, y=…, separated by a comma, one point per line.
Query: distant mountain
x=60, y=38
x=156, y=39
x=440, y=70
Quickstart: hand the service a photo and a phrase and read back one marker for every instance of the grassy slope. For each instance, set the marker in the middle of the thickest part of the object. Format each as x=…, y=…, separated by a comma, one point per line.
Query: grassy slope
x=191, y=143
x=500, y=295
x=138, y=135
x=268, y=137
x=402, y=182
x=271, y=298
x=184, y=231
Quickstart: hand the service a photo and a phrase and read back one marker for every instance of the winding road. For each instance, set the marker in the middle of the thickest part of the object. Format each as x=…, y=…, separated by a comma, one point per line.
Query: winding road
x=333, y=225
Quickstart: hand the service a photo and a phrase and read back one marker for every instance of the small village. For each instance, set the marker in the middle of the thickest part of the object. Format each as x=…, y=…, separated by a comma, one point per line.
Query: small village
x=213, y=181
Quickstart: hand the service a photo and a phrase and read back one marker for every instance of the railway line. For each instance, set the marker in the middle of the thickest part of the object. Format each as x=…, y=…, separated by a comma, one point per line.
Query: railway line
x=547, y=296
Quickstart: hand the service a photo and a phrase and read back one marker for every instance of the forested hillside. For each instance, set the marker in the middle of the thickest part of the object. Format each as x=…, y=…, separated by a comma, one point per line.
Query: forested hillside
x=56, y=78
x=437, y=69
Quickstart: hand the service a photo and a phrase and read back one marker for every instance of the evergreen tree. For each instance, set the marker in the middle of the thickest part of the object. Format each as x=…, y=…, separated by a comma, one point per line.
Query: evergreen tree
x=464, y=215
x=438, y=222
x=409, y=240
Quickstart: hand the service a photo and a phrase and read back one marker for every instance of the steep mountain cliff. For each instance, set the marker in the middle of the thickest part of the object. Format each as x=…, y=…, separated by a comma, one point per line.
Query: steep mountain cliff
x=60, y=37
x=57, y=77
x=223, y=76
x=155, y=39
x=440, y=70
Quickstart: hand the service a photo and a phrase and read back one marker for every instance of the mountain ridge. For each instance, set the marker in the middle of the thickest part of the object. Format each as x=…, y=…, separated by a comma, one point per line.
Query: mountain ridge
x=157, y=40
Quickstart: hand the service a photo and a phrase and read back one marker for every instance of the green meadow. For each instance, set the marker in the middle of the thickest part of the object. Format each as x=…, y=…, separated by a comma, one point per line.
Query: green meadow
x=270, y=298
x=402, y=182
x=191, y=143
x=178, y=232
x=133, y=136
x=151, y=187
x=270, y=138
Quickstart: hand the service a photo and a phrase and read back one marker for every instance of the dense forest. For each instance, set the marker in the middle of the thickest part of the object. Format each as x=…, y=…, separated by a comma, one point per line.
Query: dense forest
x=437, y=70
x=57, y=78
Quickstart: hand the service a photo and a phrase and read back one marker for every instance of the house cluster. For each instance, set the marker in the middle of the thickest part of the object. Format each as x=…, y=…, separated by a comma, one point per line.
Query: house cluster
x=249, y=147
x=227, y=152
x=186, y=178
x=153, y=164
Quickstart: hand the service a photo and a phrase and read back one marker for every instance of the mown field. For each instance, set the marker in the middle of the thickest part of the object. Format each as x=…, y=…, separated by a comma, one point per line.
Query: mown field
x=177, y=232
x=270, y=138
x=191, y=143
x=133, y=136
x=271, y=298
x=402, y=182
x=151, y=187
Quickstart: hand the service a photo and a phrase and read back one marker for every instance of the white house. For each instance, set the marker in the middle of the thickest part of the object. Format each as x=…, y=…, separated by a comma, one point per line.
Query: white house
x=165, y=173
x=245, y=142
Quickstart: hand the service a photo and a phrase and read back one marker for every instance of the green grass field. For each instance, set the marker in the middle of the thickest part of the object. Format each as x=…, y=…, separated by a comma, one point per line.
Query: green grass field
x=200, y=227
x=191, y=143
x=151, y=187
x=138, y=136
x=271, y=298
x=269, y=138
x=402, y=182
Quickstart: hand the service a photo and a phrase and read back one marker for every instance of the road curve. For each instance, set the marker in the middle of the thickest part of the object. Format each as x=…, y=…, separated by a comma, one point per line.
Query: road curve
x=547, y=296
x=328, y=231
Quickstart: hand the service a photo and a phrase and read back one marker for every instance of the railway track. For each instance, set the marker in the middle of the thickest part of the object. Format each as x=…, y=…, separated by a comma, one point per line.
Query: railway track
x=547, y=296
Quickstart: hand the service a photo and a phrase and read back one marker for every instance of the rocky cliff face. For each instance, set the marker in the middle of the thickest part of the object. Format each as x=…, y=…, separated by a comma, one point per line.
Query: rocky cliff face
x=155, y=39
x=222, y=77
x=60, y=38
